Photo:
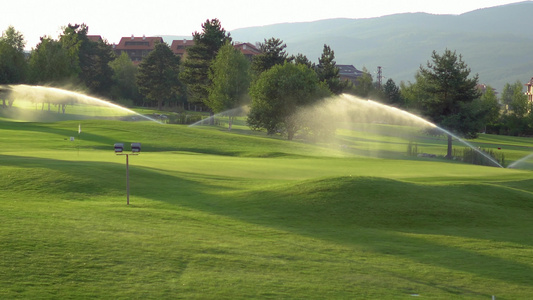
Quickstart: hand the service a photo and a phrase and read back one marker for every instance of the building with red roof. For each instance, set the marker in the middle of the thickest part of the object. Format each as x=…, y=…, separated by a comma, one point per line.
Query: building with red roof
x=249, y=50
x=95, y=38
x=529, y=91
x=179, y=47
x=137, y=47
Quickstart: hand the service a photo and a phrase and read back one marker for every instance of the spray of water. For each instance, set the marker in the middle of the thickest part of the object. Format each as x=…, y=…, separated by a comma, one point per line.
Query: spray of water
x=34, y=95
x=234, y=112
x=520, y=161
x=349, y=109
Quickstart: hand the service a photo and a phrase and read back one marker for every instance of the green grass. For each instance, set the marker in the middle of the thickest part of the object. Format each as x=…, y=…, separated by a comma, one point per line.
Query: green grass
x=236, y=215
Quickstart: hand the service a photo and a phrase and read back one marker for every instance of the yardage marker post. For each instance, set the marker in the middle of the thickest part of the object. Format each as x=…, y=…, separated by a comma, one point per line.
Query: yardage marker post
x=135, y=150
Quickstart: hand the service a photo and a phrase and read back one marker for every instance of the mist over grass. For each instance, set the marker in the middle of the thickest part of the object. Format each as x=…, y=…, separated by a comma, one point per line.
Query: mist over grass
x=31, y=103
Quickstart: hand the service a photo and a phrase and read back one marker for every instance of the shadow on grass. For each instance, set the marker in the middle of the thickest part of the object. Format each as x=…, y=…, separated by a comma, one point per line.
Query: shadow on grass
x=383, y=216
x=392, y=218
x=73, y=180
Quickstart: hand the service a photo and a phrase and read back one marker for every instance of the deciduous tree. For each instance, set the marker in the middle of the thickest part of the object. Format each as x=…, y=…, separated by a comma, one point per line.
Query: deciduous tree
x=89, y=59
x=124, y=78
x=491, y=107
x=50, y=62
x=13, y=65
x=518, y=105
x=230, y=77
x=278, y=94
x=363, y=86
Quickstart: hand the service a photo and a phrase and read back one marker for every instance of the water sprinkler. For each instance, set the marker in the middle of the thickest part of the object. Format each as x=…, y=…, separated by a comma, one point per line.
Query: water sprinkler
x=135, y=150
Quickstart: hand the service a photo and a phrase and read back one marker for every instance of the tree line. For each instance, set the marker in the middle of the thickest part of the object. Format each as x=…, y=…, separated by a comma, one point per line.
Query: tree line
x=219, y=77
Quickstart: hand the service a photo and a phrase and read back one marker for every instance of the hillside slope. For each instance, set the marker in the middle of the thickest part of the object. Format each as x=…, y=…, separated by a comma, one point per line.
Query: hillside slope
x=493, y=41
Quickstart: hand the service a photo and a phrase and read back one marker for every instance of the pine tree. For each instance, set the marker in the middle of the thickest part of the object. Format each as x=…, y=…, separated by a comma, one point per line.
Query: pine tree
x=199, y=57
x=158, y=77
x=446, y=80
x=328, y=72
x=272, y=53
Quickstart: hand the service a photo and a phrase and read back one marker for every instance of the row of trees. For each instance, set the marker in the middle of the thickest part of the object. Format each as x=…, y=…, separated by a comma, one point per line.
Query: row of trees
x=217, y=76
x=162, y=78
x=72, y=59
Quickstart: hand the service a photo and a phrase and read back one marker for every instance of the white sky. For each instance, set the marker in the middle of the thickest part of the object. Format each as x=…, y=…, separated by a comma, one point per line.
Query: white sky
x=113, y=19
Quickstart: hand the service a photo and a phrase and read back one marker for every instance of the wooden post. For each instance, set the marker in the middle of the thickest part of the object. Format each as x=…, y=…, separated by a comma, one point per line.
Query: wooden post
x=128, y=178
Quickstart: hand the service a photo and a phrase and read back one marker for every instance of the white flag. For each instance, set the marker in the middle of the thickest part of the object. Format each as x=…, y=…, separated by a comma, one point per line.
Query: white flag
x=79, y=128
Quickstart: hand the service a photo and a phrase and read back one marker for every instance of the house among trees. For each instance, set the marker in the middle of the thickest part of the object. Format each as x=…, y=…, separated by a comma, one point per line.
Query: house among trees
x=482, y=88
x=249, y=50
x=349, y=73
x=139, y=47
x=136, y=47
x=179, y=47
x=529, y=91
x=95, y=38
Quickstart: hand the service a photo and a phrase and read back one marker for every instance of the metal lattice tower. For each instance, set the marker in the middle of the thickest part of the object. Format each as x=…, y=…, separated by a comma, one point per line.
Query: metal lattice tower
x=380, y=77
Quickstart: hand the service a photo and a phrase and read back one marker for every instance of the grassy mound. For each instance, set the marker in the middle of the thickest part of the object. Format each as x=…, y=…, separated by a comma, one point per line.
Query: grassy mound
x=233, y=215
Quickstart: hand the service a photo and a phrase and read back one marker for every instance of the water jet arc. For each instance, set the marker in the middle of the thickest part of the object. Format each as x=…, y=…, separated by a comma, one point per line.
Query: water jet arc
x=359, y=110
x=491, y=159
x=523, y=159
x=37, y=91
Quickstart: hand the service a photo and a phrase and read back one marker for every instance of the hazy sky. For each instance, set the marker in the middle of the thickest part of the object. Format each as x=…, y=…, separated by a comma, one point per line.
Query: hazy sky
x=113, y=19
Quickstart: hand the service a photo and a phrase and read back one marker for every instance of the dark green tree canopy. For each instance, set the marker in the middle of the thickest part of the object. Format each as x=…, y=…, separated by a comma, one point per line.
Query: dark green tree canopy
x=447, y=81
x=13, y=64
x=212, y=37
x=50, y=63
x=272, y=53
x=73, y=59
x=158, y=77
x=89, y=59
x=328, y=72
x=451, y=91
x=392, y=93
x=199, y=57
x=302, y=59
x=96, y=73
x=71, y=40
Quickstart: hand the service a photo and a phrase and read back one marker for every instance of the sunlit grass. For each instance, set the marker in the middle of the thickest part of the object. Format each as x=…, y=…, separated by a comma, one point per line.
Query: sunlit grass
x=226, y=215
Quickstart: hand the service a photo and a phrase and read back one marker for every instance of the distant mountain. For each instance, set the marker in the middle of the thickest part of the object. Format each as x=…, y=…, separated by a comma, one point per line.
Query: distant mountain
x=495, y=42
